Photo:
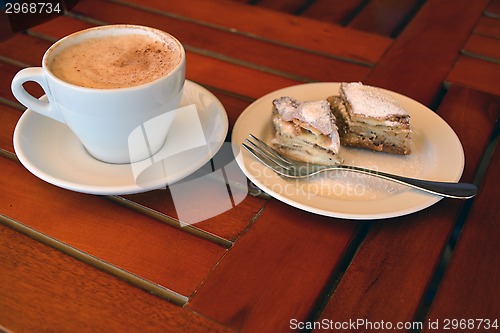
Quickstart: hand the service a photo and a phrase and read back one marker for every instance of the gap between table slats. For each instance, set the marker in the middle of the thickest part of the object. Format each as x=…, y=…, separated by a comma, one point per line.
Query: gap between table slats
x=107, y=267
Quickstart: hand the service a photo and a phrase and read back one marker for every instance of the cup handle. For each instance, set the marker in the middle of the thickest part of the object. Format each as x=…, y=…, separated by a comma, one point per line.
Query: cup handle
x=35, y=74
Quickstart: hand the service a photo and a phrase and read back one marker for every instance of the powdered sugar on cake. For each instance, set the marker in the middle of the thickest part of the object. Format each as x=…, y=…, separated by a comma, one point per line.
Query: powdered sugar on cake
x=371, y=103
x=306, y=130
x=317, y=114
x=368, y=118
x=287, y=107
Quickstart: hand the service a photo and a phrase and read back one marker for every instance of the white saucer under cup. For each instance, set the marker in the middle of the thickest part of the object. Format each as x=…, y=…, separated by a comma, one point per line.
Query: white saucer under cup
x=49, y=150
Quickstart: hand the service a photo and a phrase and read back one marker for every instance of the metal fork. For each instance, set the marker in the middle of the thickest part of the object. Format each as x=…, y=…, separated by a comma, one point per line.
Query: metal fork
x=289, y=168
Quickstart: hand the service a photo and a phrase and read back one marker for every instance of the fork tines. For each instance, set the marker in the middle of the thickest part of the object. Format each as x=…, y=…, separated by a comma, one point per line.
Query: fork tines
x=267, y=155
x=270, y=151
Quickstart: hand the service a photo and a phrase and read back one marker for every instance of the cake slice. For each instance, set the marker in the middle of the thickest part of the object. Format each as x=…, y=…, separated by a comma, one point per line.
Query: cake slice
x=305, y=131
x=368, y=118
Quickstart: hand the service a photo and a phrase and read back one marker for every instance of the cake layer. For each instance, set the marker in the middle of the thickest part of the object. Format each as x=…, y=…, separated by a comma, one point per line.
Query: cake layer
x=370, y=119
x=371, y=105
x=305, y=131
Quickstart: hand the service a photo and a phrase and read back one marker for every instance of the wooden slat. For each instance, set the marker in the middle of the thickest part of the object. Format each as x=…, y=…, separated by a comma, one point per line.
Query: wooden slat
x=199, y=69
x=233, y=105
x=20, y=50
x=220, y=179
x=134, y=242
x=462, y=295
x=415, y=66
x=488, y=26
x=60, y=27
x=15, y=49
x=230, y=225
x=206, y=69
x=5, y=27
x=29, y=50
x=334, y=11
x=8, y=71
x=208, y=214
x=488, y=29
x=462, y=104
x=385, y=17
x=382, y=265
x=493, y=9
x=483, y=47
x=275, y=271
x=381, y=17
x=230, y=46
x=285, y=6
x=279, y=28
x=277, y=268
x=31, y=53
x=44, y=290
x=8, y=119
x=477, y=74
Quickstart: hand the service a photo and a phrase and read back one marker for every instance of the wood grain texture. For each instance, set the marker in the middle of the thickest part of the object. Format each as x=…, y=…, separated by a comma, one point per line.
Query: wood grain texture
x=279, y=28
x=474, y=296
x=15, y=48
x=411, y=246
x=204, y=68
x=384, y=17
x=458, y=108
x=335, y=11
x=284, y=6
x=8, y=119
x=129, y=240
x=31, y=54
x=227, y=218
x=488, y=26
x=415, y=66
x=485, y=47
x=479, y=65
x=233, y=105
x=44, y=290
x=477, y=74
x=493, y=9
x=284, y=263
x=229, y=46
x=275, y=271
x=8, y=71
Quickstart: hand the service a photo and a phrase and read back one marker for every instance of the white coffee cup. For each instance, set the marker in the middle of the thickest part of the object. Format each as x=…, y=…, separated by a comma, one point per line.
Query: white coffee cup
x=115, y=125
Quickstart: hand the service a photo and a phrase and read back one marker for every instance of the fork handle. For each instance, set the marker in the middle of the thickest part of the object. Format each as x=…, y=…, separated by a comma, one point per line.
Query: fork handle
x=445, y=189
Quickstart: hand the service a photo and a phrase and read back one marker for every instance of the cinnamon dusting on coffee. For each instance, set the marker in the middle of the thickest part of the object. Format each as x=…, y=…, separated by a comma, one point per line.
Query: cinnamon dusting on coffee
x=116, y=61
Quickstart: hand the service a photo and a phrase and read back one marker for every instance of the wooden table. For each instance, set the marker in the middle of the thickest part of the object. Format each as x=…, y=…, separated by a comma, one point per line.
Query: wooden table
x=73, y=262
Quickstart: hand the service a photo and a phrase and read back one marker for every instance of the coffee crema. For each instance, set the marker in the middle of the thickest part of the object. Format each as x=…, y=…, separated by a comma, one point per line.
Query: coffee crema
x=117, y=61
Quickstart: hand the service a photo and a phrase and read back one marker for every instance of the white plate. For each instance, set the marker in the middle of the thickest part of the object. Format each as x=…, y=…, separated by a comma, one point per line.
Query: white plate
x=50, y=151
x=436, y=155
